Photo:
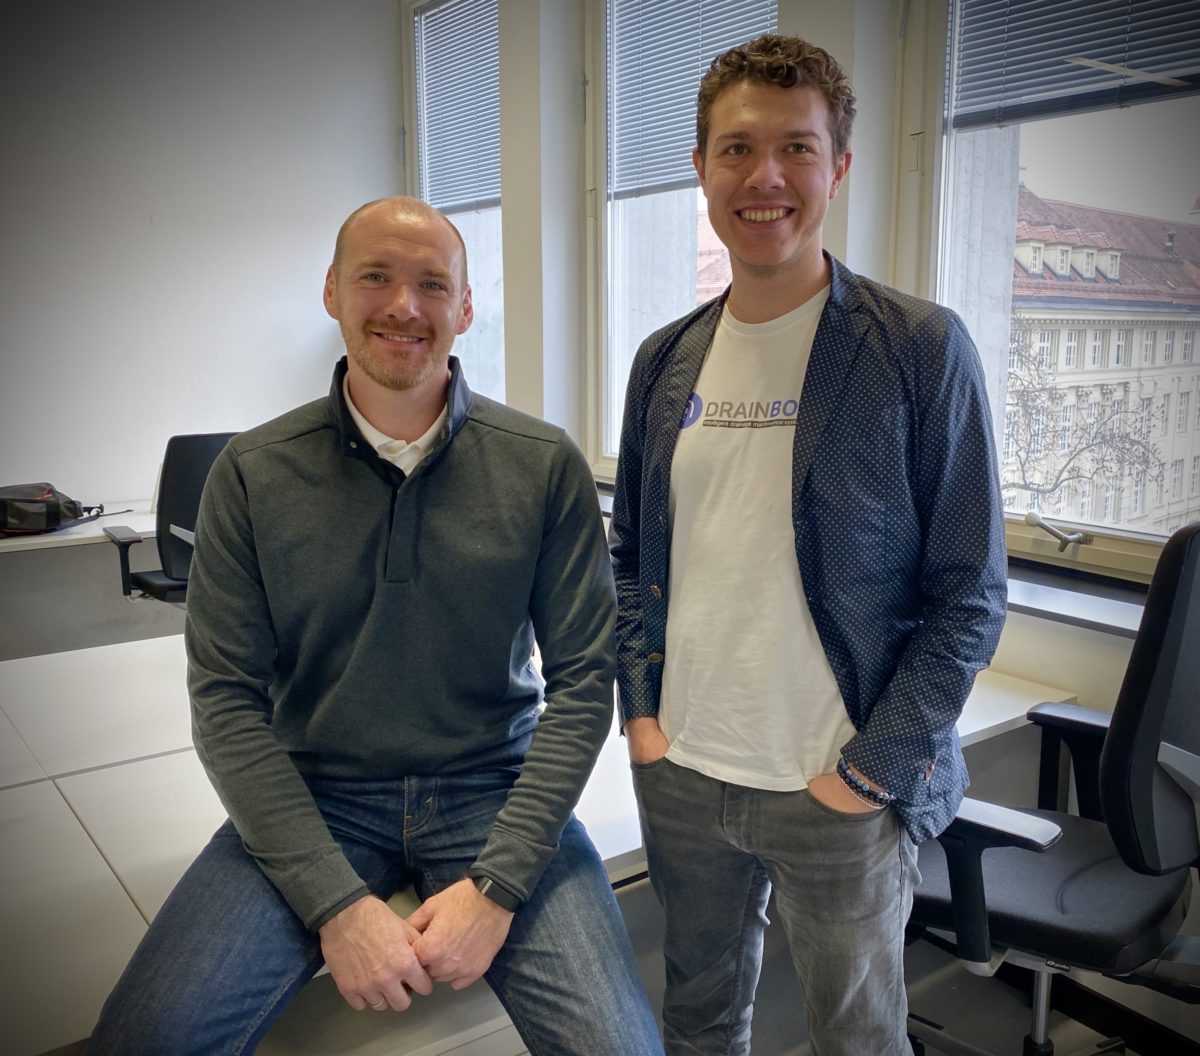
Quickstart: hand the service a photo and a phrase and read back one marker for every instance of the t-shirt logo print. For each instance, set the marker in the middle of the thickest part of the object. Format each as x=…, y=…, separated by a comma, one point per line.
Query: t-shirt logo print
x=693, y=410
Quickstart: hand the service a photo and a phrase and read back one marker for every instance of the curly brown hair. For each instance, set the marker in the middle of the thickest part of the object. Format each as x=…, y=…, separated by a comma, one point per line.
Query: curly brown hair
x=786, y=62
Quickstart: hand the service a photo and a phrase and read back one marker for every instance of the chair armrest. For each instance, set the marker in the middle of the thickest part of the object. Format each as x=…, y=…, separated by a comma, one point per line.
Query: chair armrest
x=978, y=827
x=1083, y=731
x=1074, y=717
x=124, y=538
x=991, y=825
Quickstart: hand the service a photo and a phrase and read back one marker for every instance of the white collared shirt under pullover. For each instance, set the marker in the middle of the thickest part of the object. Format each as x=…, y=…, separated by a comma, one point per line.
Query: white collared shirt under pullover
x=748, y=695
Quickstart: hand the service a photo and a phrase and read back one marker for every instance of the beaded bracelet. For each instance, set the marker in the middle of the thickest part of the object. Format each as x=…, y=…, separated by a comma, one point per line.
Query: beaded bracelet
x=860, y=788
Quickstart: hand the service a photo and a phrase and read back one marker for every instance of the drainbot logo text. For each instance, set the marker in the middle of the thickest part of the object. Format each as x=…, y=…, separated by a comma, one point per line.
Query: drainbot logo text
x=744, y=414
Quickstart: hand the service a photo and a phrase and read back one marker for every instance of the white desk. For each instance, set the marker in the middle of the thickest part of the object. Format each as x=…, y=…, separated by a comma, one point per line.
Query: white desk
x=141, y=520
x=103, y=804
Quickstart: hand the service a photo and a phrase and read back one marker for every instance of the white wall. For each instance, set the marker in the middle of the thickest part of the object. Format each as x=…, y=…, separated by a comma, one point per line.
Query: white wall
x=174, y=178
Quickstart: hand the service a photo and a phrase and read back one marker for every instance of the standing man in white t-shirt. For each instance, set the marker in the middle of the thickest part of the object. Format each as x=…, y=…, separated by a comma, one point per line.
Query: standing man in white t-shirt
x=808, y=544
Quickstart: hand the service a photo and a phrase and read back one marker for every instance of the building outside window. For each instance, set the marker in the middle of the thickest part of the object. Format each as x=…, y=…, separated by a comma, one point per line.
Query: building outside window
x=1119, y=348
x=1070, y=350
x=1028, y=162
x=1177, y=479
x=1195, y=486
x=1037, y=443
x=1045, y=349
x=1189, y=345
x=1183, y=412
x=1035, y=259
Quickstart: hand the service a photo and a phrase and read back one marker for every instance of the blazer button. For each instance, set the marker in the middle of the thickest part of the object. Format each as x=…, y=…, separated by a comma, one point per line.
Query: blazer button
x=655, y=591
x=655, y=658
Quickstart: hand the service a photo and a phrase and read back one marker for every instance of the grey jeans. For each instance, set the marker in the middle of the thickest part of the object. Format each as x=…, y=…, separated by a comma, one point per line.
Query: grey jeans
x=843, y=889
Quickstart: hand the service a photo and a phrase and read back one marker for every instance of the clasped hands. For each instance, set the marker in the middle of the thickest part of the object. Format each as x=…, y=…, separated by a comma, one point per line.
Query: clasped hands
x=379, y=960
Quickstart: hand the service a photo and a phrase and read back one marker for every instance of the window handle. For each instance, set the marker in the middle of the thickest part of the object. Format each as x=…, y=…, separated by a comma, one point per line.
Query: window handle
x=1065, y=539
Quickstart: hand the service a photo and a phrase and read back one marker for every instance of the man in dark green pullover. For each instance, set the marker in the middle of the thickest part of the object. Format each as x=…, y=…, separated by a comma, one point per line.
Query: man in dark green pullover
x=371, y=571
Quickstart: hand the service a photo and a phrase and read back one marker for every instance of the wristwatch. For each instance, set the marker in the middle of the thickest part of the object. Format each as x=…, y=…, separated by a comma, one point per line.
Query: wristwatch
x=502, y=896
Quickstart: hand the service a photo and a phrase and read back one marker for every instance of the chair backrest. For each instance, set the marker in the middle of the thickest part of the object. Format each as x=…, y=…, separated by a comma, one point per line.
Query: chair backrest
x=184, y=471
x=1151, y=814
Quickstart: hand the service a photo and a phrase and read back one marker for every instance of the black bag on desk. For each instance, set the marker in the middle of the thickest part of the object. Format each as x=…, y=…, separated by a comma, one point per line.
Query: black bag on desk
x=30, y=509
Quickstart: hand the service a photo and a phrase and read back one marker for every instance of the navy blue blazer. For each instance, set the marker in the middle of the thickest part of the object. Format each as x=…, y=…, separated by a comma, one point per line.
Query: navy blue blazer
x=898, y=520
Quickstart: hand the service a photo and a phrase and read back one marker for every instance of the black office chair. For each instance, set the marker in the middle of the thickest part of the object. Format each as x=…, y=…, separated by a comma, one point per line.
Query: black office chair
x=1108, y=890
x=185, y=468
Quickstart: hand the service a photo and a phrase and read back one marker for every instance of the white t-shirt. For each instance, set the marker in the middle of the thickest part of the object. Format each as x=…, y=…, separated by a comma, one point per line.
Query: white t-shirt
x=748, y=695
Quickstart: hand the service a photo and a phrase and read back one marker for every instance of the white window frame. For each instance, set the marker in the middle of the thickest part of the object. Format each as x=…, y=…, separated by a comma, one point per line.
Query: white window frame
x=1071, y=348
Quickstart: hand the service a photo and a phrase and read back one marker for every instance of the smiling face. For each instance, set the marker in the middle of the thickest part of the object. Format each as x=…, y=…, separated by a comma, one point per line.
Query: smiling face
x=769, y=171
x=397, y=289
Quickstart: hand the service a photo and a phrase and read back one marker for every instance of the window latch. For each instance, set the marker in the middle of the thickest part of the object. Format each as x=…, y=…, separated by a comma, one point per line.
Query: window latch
x=1065, y=539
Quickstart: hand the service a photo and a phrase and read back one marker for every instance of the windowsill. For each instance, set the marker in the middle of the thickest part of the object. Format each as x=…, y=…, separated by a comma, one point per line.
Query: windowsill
x=1063, y=597
x=1049, y=593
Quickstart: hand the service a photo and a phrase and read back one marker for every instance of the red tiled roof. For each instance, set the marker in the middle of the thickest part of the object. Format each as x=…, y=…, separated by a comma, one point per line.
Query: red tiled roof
x=1151, y=275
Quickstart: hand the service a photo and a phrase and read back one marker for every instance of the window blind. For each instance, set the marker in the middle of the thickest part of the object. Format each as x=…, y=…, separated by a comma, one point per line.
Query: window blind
x=656, y=54
x=458, y=104
x=1016, y=60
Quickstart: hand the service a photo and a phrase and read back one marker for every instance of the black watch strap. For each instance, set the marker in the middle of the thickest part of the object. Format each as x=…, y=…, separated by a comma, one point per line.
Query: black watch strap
x=502, y=896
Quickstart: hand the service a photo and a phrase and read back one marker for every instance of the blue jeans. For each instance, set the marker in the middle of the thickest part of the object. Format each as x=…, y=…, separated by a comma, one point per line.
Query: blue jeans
x=226, y=954
x=843, y=890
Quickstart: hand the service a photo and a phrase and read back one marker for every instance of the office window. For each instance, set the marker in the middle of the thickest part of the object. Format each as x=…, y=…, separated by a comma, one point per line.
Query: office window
x=1034, y=105
x=1070, y=350
x=662, y=258
x=1169, y=346
x=458, y=158
x=1183, y=412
